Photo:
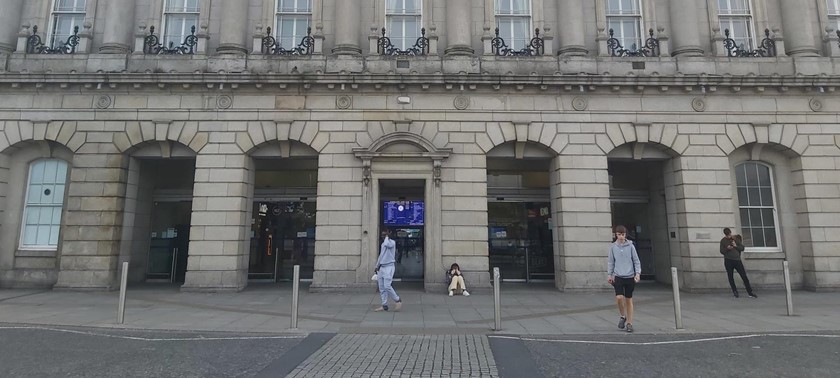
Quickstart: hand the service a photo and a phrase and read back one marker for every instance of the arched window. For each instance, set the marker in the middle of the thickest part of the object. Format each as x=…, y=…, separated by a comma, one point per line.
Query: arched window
x=43, y=205
x=757, y=206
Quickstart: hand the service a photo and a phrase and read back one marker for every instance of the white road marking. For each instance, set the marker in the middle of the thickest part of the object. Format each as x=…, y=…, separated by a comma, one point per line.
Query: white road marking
x=154, y=339
x=709, y=339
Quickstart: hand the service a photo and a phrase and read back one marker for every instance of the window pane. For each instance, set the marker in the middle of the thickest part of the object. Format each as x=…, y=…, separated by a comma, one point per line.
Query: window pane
x=514, y=30
x=50, y=168
x=69, y=6
x=43, y=235
x=294, y=6
x=53, y=240
x=36, y=174
x=745, y=218
x=513, y=7
x=748, y=241
x=763, y=175
x=754, y=197
x=833, y=6
x=758, y=237
x=61, y=172
x=767, y=218
x=626, y=30
x=32, y=215
x=742, y=197
x=178, y=28
x=741, y=175
x=752, y=175
x=766, y=197
x=34, y=194
x=770, y=237
x=755, y=218
x=183, y=6
x=291, y=29
x=30, y=235
x=403, y=30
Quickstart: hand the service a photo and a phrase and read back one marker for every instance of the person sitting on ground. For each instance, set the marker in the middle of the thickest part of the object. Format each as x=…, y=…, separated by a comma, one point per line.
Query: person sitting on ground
x=456, y=280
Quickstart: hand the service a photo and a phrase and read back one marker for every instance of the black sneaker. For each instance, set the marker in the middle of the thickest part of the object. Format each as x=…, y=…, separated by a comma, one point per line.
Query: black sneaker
x=621, y=321
x=735, y=293
x=752, y=295
x=629, y=327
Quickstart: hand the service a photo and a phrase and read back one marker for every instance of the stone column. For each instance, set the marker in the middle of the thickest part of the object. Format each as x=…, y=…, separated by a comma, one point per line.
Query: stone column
x=348, y=17
x=9, y=24
x=234, y=28
x=220, y=224
x=797, y=17
x=685, y=28
x=119, y=22
x=571, y=28
x=458, y=28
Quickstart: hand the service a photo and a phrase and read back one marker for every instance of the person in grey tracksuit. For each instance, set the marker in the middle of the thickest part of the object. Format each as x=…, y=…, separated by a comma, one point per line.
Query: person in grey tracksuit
x=623, y=272
x=385, y=272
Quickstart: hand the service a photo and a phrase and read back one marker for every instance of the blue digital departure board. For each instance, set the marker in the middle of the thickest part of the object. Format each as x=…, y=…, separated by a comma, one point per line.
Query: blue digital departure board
x=403, y=213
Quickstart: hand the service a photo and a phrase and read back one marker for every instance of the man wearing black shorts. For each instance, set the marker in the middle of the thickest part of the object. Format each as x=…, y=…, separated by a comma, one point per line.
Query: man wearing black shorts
x=623, y=272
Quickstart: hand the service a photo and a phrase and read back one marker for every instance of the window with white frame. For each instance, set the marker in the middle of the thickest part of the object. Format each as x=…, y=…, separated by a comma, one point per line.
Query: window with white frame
x=736, y=16
x=624, y=18
x=513, y=18
x=292, y=17
x=43, y=205
x=403, y=21
x=179, y=16
x=834, y=13
x=757, y=205
x=65, y=15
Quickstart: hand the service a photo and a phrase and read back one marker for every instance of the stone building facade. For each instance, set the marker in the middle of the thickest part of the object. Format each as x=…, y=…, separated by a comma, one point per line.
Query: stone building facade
x=216, y=157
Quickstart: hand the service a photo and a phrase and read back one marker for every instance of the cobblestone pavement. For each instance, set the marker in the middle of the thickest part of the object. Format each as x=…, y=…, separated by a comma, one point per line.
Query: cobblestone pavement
x=401, y=356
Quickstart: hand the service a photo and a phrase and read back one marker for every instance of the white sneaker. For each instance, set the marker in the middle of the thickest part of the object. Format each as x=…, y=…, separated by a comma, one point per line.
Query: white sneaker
x=450, y=293
x=466, y=293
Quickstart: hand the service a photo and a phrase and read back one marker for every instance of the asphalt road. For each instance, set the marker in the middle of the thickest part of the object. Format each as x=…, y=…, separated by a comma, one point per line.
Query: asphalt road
x=801, y=355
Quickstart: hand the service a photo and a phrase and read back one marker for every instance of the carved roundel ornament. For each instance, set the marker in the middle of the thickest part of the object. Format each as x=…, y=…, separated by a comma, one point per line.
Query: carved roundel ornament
x=461, y=102
x=343, y=102
x=579, y=103
x=698, y=104
x=224, y=102
x=815, y=104
x=103, y=101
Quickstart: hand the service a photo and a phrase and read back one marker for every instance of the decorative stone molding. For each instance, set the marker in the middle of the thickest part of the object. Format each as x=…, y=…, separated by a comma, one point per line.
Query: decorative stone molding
x=461, y=102
x=580, y=103
x=224, y=102
x=815, y=104
x=698, y=104
x=419, y=149
x=103, y=102
x=343, y=102
x=183, y=132
x=61, y=132
x=261, y=132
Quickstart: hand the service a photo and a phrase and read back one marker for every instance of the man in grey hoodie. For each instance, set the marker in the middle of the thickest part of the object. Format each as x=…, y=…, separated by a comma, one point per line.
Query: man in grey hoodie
x=385, y=272
x=623, y=272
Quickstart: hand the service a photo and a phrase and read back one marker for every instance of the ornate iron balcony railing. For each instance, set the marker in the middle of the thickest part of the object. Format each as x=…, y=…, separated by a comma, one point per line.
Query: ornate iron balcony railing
x=34, y=44
x=385, y=47
x=650, y=48
x=535, y=47
x=271, y=46
x=152, y=45
x=767, y=48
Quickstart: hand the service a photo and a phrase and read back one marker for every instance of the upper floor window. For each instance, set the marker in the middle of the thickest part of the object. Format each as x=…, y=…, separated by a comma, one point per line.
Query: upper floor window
x=834, y=13
x=179, y=16
x=292, y=18
x=736, y=16
x=403, y=22
x=43, y=205
x=757, y=205
x=513, y=18
x=624, y=18
x=66, y=15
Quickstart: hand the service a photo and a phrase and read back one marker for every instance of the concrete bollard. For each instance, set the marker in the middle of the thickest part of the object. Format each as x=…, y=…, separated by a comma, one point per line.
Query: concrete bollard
x=675, y=284
x=497, y=301
x=295, y=289
x=123, y=283
x=787, y=288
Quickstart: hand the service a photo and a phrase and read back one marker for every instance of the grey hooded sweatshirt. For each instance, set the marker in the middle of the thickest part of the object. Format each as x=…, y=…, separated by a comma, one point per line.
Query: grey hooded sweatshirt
x=623, y=260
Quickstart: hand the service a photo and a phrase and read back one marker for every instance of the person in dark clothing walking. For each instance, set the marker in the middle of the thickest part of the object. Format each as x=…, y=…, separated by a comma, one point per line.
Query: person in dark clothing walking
x=731, y=247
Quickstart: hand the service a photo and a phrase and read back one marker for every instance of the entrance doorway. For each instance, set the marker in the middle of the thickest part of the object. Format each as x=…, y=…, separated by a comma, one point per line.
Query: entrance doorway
x=403, y=212
x=169, y=242
x=283, y=236
x=520, y=238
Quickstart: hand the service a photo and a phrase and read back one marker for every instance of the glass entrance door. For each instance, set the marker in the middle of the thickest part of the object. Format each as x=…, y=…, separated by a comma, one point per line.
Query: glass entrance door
x=170, y=238
x=409, y=253
x=521, y=244
x=282, y=236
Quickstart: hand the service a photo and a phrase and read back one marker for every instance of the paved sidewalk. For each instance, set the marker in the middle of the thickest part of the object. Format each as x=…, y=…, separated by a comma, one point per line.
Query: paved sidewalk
x=526, y=310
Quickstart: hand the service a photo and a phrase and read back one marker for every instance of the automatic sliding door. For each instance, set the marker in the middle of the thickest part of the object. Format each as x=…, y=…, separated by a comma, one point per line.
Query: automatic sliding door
x=520, y=240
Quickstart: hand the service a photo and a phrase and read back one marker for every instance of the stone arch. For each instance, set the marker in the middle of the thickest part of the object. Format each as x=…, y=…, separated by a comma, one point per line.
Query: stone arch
x=182, y=132
x=61, y=132
x=545, y=134
x=783, y=137
x=622, y=139
x=259, y=132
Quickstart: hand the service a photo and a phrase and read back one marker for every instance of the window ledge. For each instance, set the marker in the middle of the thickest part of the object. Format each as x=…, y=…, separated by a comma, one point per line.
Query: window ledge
x=35, y=252
x=759, y=254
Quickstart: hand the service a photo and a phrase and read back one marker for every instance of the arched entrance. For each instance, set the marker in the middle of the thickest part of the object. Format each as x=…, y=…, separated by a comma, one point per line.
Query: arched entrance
x=519, y=212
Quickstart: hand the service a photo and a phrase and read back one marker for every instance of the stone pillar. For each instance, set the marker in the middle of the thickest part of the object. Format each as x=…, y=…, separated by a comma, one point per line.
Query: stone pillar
x=220, y=224
x=571, y=28
x=797, y=17
x=348, y=17
x=9, y=24
x=234, y=28
x=92, y=223
x=119, y=23
x=685, y=29
x=458, y=28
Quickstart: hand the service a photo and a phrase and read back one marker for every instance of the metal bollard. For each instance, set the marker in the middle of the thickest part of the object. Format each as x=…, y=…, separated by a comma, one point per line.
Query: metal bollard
x=123, y=282
x=675, y=284
x=787, y=288
x=497, y=302
x=295, y=288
